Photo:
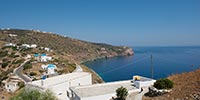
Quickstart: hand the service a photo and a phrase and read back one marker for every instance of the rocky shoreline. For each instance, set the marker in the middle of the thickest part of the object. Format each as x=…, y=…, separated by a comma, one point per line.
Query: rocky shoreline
x=128, y=52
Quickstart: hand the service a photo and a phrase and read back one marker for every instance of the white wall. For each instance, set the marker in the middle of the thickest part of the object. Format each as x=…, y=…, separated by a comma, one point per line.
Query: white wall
x=11, y=87
x=104, y=97
x=51, y=71
x=100, y=97
x=45, y=58
x=60, y=89
x=140, y=84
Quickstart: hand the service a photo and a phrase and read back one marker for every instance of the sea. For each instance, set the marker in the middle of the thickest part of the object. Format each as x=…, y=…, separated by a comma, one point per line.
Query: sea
x=165, y=61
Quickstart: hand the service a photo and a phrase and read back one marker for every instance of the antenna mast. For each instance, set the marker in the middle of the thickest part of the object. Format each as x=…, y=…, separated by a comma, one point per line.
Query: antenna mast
x=152, y=66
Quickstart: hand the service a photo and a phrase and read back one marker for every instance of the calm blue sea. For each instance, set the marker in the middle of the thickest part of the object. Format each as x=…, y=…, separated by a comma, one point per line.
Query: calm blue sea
x=166, y=61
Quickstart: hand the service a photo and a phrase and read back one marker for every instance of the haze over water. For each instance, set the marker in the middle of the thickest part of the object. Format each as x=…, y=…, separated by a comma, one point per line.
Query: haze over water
x=166, y=61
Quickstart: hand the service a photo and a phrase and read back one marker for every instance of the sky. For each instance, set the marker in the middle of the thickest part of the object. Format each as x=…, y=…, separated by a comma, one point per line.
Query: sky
x=117, y=22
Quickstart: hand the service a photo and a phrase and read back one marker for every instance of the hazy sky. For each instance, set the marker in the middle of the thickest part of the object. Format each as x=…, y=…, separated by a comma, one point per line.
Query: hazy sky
x=118, y=22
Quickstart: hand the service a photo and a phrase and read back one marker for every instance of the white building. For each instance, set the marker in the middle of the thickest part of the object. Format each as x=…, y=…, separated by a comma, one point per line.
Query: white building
x=45, y=58
x=106, y=91
x=140, y=81
x=28, y=56
x=11, y=84
x=60, y=84
x=50, y=68
x=33, y=46
x=47, y=49
x=25, y=46
x=37, y=56
x=42, y=57
x=12, y=35
x=10, y=44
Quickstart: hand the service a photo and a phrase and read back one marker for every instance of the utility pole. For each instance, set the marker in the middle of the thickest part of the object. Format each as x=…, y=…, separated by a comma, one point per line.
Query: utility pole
x=152, y=66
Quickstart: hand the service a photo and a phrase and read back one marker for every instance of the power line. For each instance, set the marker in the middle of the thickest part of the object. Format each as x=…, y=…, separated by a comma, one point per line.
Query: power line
x=126, y=65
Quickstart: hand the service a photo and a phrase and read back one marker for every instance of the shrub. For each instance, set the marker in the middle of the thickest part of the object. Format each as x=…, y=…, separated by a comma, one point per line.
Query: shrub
x=163, y=83
x=3, y=53
x=4, y=78
x=12, y=54
x=28, y=65
x=60, y=72
x=18, y=61
x=33, y=94
x=33, y=73
x=21, y=85
x=14, y=48
x=41, y=71
x=15, y=56
x=121, y=93
x=5, y=64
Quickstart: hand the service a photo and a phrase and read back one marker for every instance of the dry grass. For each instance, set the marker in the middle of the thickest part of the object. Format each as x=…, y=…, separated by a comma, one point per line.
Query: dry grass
x=2, y=43
x=185, y=85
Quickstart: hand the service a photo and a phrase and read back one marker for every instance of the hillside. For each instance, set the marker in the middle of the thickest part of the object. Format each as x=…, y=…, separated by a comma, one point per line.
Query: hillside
x=74, y=49
x=186, y=87
x=66, y=52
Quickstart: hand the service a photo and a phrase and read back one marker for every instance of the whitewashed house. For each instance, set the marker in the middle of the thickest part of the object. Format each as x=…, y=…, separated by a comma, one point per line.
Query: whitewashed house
x=44, y=67
x=50, y=68
x=10, y=44
x=59, y=85
x=12, y=35
x=33, y=46
x=106, y=91
x=140, y=81
x=11, y=84
x=45, y=58
x=28, y=56
x=103, y=91
x=47, y=49
x=25, y=46
x=42, y=57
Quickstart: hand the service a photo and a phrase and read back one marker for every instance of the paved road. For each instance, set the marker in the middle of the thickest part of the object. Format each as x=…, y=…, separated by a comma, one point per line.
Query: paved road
x=18, y=72
x=78, y=68
x=140, y=95
x=137, y=95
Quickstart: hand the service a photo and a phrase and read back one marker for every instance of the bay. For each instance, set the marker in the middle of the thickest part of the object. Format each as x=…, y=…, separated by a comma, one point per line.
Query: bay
x=166, y=61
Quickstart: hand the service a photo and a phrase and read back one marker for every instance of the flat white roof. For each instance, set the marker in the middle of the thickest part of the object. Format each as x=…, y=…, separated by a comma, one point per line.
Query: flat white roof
x=102, y=89
x=143, y=79
x=58, y=83
x=59, y=79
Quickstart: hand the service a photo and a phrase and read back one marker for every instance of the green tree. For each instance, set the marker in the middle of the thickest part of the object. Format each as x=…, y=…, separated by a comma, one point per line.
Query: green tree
x=163, y=83
x=28, y=65
x=33, y=94
x=121, y=93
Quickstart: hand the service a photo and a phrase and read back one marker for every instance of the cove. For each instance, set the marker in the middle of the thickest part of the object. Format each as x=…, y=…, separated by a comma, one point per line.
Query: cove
x=166, y=61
